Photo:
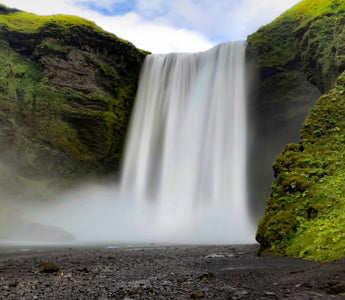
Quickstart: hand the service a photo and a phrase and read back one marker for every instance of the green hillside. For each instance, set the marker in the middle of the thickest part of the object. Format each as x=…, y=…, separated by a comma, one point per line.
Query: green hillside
x=66, y=91
x=305, y=211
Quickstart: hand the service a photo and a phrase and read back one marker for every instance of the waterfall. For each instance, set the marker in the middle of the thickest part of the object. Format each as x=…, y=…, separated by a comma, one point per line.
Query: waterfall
x=183, y=177
x=186, y=151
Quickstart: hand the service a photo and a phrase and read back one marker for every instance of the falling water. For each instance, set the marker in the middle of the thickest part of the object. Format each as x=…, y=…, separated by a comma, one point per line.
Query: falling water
x=183, y=176
x=186, y=151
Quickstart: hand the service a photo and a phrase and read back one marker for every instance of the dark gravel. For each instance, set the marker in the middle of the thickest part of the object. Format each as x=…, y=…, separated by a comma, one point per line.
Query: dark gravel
x=167, y=272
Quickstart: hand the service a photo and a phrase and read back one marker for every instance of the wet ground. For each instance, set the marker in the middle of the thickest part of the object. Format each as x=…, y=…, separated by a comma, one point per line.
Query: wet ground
x=165, y=272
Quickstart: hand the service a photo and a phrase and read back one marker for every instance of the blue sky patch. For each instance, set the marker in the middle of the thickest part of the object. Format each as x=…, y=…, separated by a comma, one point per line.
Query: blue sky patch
x=115, y=9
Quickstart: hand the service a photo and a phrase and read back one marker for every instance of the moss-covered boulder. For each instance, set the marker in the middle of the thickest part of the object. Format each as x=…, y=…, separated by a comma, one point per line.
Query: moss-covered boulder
x=66, y=91
x=305, y=211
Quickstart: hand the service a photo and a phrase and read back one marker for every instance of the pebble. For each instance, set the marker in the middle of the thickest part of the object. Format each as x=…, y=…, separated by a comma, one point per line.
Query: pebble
x=178, y=272
x=270, y=294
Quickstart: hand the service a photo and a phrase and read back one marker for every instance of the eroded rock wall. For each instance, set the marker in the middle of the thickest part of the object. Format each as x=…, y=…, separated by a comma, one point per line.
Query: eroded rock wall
x=66, y=92
x=298, y=56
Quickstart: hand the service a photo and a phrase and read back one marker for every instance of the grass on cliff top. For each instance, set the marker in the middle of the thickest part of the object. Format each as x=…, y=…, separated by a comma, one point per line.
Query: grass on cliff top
x=28, y=23
x=276, y=42
x=25, y=22
x=309, y=10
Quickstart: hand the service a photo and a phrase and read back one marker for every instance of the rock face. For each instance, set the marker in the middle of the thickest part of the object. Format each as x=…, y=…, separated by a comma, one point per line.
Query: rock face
x=299, y=55
x=66, y=92
x=280, y=100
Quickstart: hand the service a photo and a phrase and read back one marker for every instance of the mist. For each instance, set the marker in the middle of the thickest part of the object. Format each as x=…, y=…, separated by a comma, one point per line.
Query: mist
x=183, y=178
x=98, y=214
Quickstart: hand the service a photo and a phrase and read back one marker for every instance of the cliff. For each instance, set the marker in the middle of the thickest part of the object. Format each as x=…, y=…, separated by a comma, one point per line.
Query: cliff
x=66, y=91
x=297, y=55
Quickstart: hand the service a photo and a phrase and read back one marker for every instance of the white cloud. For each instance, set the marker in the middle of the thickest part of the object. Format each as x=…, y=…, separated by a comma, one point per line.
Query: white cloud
x=40, y=7
x=174, y=25
x=254, y=14
x=158, y=39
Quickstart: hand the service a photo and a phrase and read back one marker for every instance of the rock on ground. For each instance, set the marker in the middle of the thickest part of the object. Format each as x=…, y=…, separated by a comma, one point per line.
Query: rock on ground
x=167, y=272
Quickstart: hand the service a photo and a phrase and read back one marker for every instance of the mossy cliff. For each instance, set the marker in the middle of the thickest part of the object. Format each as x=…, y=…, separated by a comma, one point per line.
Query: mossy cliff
x=66, y=92
x=305, y=211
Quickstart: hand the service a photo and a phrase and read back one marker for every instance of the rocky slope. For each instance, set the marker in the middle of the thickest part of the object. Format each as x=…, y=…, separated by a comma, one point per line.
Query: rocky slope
x=305, y=48
x=66, y=91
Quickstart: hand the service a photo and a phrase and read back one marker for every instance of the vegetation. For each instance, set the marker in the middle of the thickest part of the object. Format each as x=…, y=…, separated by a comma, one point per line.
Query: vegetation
x=66, y=92
x=309, y=10
x=310, y=33
x=306, y=208
x=305, y=211
x=30, y=23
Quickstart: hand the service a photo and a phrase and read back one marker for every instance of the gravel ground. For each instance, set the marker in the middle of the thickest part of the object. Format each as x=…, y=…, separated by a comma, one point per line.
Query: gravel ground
x=166, y=272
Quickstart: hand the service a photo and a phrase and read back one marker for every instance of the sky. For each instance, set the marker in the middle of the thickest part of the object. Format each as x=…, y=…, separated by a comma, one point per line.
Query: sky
x=163, y=26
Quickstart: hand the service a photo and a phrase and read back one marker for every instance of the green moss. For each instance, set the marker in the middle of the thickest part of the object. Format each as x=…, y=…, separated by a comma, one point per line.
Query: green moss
x=58, y=25
x=52, y=47
x=312, y=31
x=321, y=239
x=274, y=43
x=67, y=140
x=306, y=208
x=35, y=108
x=109, y=71
x=36, y=103
x=29, y=23
x=66, y=88
x=309, y=10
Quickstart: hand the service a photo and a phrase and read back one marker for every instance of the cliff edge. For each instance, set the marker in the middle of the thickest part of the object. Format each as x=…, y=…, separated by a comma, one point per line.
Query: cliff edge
x=66, y=91
x=305, y=210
